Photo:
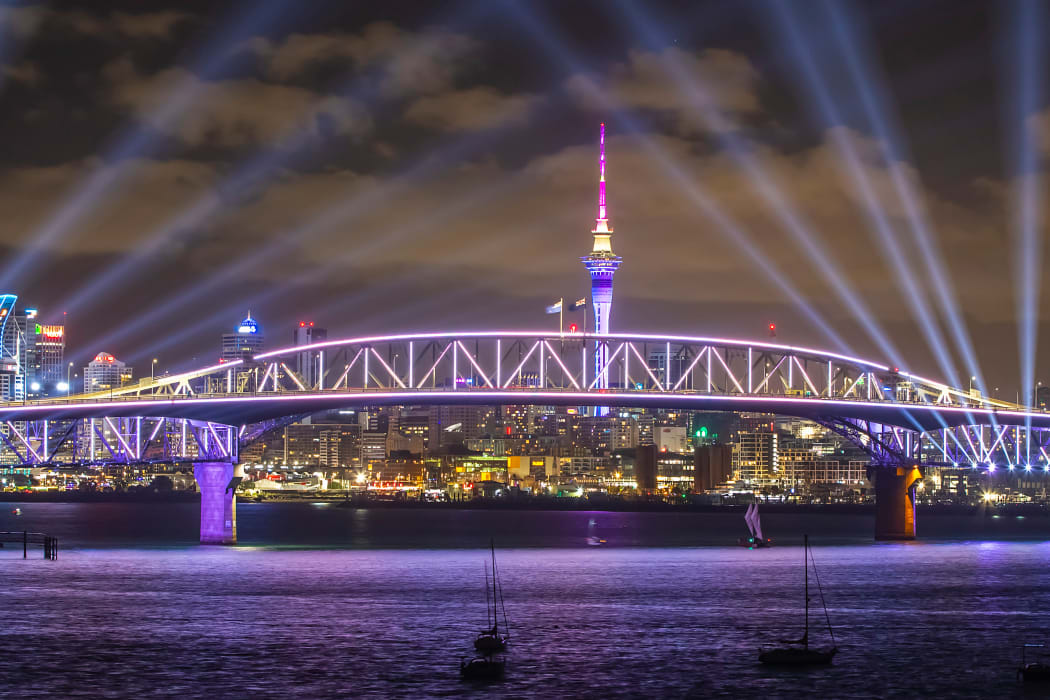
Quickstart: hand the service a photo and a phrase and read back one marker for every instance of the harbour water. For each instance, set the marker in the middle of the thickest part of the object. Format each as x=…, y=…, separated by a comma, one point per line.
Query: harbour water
x=320, y=601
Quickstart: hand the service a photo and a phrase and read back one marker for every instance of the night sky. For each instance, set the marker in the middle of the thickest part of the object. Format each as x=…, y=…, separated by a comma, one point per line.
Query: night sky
x=394, y=167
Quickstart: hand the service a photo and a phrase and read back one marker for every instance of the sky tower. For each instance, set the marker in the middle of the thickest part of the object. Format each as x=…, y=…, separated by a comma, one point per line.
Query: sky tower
x=602, y=264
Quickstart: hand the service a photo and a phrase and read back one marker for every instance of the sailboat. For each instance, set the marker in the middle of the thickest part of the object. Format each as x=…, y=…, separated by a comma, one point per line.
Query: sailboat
x=592, y=534
x=798, y=651
x=493, y=639
x=754, y=526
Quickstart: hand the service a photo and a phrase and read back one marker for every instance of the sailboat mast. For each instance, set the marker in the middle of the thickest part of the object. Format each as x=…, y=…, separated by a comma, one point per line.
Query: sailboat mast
x=495, y=615
x=486, y=570
x=805, y=566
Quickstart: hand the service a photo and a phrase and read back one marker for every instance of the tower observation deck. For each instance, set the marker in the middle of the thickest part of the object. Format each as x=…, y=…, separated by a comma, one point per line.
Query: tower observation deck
x=602, y=264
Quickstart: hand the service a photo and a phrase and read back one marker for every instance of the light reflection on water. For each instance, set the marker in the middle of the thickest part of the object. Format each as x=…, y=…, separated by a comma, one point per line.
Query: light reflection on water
x=329, y=601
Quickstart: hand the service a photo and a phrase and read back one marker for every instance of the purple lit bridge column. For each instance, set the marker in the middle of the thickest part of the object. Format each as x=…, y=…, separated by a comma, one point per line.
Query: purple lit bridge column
x=217, y=482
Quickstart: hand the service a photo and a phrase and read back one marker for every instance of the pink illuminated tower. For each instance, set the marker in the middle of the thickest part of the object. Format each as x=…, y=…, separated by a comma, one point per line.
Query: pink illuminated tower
x=602, y=264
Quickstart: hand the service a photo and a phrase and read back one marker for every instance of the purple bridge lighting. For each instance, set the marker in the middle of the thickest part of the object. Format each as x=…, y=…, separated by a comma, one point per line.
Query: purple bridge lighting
x=205, y=416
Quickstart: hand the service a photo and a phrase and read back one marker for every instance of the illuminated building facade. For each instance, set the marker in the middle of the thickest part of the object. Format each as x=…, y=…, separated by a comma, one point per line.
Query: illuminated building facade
x=105, y=372
x=46, y=371
x=602, y=264
x=245, y=342
x=12, y=352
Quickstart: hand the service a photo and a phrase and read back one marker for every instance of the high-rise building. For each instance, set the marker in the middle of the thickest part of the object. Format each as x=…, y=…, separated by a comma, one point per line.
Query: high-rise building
x=12, y=351
x=308, y=364
x=602, y=264
x=755, y=456
x=45, y=367
x=624, y=432
x=302, y=446
x=245, y=342
x=340, y=445
x=105, y=372
x=373, y=446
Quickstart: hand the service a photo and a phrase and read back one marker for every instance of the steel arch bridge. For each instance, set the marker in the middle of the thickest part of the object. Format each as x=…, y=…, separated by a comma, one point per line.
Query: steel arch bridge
x=897, y=417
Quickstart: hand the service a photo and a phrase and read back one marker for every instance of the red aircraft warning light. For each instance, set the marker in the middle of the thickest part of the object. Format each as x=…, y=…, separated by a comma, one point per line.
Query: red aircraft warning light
x=772, y=330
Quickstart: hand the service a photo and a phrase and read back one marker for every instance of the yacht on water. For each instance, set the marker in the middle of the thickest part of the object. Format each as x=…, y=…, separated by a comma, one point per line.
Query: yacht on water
x=487, y=665
x=493, y=639
x=798, y=652
x=754, y=525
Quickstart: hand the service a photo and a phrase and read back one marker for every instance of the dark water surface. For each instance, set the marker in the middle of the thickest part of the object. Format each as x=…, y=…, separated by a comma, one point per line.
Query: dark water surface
x=320, y=601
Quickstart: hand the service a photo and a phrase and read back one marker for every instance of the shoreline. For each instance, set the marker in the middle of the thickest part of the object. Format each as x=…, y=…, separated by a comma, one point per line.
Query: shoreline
x=535, y=504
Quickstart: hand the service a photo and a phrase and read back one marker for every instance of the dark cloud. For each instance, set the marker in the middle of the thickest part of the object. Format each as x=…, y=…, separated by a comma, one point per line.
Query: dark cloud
x=724, y=81
x=472, y=109
x=234, y=113
x=409, y=63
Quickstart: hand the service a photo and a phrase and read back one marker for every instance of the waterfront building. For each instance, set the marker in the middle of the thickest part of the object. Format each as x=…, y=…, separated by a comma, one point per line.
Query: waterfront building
x=537, y=467
x=579, y=465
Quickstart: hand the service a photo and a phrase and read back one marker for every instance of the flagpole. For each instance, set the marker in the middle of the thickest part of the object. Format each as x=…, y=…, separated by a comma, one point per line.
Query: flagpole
x=561, y=316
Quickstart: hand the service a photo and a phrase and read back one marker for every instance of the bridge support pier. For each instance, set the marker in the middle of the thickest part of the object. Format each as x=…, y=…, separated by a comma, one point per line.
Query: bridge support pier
x=217, y=482
x=895, y=501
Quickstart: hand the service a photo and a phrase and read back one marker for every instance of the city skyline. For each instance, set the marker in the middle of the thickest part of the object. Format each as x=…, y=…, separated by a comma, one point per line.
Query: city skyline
x=310, y=210
x=307, y=309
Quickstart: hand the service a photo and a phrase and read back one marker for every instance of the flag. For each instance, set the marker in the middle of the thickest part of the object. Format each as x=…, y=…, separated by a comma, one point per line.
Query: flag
x=578, y=304
x=555, y=307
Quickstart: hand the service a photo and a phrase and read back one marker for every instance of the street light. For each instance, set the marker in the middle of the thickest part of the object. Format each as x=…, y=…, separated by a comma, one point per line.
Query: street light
x=152, y=366
x=69, y=368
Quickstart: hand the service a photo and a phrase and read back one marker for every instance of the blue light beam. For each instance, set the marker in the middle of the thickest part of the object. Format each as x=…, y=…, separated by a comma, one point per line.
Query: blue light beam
x=878, y=118
x=790, y=219
x=117, y=162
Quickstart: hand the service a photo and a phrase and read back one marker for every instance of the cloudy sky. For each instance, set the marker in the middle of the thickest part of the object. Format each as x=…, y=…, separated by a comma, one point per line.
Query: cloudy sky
x=851, y=172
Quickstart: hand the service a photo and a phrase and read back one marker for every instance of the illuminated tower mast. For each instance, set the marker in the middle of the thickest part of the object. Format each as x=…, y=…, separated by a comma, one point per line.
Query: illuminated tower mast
x=602, y=264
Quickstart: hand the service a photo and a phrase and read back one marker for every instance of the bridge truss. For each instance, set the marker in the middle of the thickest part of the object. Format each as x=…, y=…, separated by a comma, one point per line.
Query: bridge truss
x=894, y=415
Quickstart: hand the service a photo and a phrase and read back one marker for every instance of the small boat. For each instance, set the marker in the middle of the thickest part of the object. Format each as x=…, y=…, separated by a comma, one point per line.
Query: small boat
x=16, y=511
x=798, y=651
x=482, y=668
x=592, y=534
x=493, y=639
x=1033, y=671
x=754, y=525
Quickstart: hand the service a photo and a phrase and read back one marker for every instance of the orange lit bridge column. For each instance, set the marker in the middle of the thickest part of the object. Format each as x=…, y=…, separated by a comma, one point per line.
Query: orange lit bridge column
x=895, y=501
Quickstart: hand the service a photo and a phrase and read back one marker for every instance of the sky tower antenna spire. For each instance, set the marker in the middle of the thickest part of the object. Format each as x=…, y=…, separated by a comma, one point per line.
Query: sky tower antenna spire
x=601, y=174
